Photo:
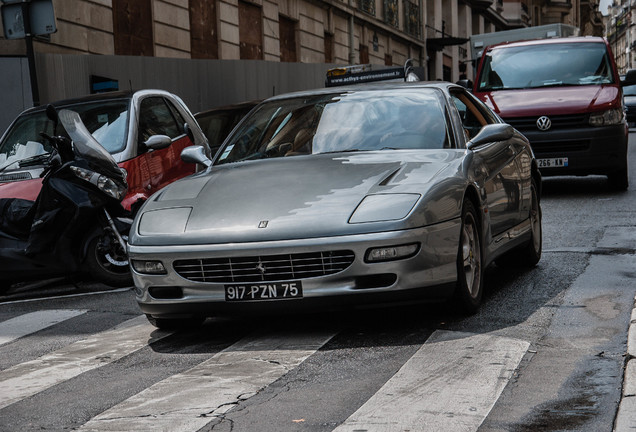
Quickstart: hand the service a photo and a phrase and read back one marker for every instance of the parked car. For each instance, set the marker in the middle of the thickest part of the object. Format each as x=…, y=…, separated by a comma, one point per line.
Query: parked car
x=217, y=123
x=143, y=130
x=378, y=193
x=564, y=95
x=629, y=99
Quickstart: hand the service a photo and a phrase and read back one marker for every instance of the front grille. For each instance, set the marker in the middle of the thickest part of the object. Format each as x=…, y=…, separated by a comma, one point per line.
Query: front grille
x=15, y=177
x=264, y=268
x=540, y=147
x=524, y=124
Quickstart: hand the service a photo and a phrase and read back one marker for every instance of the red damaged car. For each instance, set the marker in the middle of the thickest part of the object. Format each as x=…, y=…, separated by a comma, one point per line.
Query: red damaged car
x=123, y=123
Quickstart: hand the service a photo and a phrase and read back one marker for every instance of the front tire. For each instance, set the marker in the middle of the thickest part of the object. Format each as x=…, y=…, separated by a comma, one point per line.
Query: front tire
x=175, y=323
x=619, y=179
x=106, y=262
x=470, y=278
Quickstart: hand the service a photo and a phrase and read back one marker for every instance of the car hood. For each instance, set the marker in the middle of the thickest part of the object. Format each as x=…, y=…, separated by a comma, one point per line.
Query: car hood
x=300, y=197
x=551, y=100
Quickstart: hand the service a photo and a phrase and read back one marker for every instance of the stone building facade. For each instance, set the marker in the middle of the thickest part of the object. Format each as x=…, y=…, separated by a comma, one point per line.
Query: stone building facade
x=431, y=32
x=620, y=30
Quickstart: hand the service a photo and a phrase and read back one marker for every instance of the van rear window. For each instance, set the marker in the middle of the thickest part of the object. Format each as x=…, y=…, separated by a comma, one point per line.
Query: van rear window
x=546, y=65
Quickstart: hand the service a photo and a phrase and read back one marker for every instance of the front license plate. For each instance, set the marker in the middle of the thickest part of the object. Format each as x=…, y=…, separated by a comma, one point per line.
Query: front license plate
x=552, y=162
x=263, y=291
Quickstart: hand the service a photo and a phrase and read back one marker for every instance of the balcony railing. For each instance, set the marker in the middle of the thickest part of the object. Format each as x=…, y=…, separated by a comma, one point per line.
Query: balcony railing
x=367, y=6
x=412, y=18
x=391, y=13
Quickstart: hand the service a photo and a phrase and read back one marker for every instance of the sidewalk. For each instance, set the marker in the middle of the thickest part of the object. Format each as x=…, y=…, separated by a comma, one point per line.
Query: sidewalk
x=626, y=417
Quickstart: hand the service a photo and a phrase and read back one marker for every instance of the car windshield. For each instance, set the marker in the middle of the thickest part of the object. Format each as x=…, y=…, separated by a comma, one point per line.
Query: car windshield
x=408, y=118
x=545, y=65
x=107, y=121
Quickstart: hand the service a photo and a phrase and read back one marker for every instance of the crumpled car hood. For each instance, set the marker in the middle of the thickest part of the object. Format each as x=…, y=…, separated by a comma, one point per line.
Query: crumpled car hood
x=290, y=198
x=551, y=100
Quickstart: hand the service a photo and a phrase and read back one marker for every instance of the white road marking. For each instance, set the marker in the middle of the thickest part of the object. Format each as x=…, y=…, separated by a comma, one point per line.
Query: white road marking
x=450, y=384
x=57, y=297
x=190, y=400
x=29, y=378
x=23, y=325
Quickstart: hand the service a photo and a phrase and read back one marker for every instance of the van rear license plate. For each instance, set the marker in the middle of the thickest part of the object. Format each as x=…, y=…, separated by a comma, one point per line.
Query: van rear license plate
x=552, y=162
x=263, y=291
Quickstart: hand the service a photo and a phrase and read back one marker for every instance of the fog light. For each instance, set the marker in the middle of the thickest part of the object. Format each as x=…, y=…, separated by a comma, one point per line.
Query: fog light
x=148, y=267
x=390, y=253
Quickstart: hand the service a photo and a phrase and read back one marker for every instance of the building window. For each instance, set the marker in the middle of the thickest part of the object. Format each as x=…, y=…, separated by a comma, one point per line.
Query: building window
x=391, y=13
x=367, y=6
x=132, y=27
x=250, y=31
x=412, y=18
x=328, y=48
x=203, y=36
x=388, y=59
x=287, y=39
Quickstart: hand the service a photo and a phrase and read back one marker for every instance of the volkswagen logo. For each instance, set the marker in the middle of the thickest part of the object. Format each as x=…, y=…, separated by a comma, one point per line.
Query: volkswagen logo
x=544, y=123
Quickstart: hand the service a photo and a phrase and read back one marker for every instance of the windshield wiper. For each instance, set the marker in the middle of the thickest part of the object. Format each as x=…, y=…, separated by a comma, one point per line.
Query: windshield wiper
x=30, y=161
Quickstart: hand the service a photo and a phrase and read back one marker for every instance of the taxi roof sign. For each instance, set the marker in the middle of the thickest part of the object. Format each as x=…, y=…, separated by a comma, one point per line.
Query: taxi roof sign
x=358, y=74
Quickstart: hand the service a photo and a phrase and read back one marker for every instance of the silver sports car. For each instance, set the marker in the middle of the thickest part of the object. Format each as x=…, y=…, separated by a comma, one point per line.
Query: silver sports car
x=374, y=193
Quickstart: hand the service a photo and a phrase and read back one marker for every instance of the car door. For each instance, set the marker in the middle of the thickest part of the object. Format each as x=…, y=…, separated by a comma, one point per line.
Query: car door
x=498, y=163
x=158, y=116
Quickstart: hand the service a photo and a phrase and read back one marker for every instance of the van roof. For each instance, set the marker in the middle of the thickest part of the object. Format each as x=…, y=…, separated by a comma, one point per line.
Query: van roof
x=550, y=41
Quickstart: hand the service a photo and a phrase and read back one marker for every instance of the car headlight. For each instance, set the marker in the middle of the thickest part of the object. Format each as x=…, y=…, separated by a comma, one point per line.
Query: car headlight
x=384, y=207
x=390, y=253
x=103, y=183
x=607, y=118
x=148, y=267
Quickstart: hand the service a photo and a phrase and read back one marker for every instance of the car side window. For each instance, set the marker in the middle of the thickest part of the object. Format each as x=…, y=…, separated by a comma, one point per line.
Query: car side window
x=177, y=115
x=156, y=118
x=473, y=117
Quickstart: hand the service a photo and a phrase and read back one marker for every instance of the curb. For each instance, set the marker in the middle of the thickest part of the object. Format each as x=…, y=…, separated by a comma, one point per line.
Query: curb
x=626, y=416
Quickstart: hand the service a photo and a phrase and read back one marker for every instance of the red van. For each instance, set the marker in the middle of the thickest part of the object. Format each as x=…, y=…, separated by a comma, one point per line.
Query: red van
x=565, y=96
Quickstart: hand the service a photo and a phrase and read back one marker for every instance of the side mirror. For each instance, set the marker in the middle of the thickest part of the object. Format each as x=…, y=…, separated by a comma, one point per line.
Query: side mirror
x=51, y=114
x=491, y=133
x=158, y=142
x=195, y=154
x=630, y=78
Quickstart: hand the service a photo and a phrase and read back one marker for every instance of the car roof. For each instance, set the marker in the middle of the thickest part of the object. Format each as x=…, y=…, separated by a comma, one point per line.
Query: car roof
x=98, y=97
x=550, y=41
x=442, y=85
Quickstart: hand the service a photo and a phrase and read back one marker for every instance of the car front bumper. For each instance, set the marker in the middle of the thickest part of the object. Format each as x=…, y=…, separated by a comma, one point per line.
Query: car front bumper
x=589, y=150
x=429, y=274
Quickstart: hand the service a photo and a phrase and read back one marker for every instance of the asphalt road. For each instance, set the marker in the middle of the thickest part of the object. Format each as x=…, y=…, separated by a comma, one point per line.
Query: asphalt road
x=545, y=352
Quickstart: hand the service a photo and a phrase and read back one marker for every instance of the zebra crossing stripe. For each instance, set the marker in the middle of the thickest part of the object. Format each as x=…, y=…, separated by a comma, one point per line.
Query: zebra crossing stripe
x=26, y=324
x=190, y=400
x=29, y=378
x=450, y=384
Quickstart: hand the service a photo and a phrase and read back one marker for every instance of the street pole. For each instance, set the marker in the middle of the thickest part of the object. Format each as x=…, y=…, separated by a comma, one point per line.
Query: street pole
x=35, y=93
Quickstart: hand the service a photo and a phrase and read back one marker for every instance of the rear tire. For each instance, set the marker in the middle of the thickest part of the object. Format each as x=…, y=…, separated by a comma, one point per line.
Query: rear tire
x=107, y=263
x=470, y=278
